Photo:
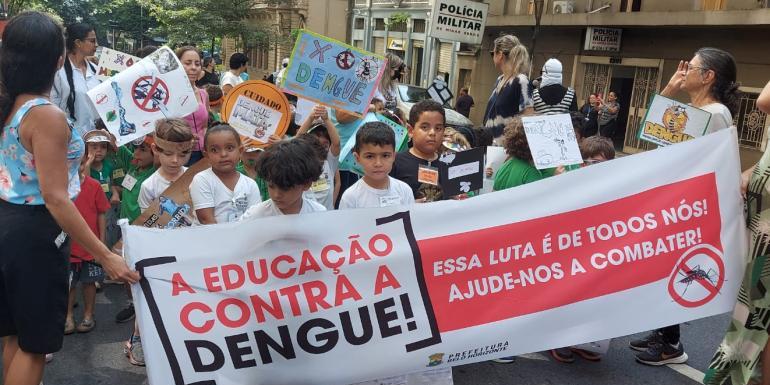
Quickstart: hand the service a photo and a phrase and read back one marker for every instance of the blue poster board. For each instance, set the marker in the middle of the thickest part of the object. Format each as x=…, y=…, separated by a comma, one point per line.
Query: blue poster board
x=333, y=73
x=348, y=160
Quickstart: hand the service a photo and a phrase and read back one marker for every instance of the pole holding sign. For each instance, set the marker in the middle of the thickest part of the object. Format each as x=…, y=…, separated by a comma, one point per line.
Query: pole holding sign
x=154, y=88
x=333, y=73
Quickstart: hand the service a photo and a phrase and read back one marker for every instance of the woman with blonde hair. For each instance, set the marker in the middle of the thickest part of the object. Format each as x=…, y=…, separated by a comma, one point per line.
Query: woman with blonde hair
x=510, y=96
x=389, y=83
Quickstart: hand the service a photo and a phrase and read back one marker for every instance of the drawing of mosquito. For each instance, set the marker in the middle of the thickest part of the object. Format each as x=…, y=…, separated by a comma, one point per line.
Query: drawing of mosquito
x=698, y=274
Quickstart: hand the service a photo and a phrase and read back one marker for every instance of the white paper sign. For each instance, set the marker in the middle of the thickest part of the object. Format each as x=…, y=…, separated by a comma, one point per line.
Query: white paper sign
x=459, y=20
x=303, y=109
x=154, y=88
x=495, y=158
x=552, y=140
x=254, y=119
x=112, y=62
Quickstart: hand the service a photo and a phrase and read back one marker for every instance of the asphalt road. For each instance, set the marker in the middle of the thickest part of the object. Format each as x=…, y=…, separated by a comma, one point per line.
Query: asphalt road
x=97, y=358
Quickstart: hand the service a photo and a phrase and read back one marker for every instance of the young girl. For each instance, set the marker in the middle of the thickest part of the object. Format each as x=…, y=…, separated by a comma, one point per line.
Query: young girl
x=221, y=194
x=172, y=144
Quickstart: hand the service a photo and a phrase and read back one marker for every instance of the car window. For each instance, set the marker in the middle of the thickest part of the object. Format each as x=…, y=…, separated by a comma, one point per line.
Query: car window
x=412, y=94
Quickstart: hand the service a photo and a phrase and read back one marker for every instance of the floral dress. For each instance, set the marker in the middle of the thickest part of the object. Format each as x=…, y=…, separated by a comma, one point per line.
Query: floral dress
x=18, y=177
x=738, y=356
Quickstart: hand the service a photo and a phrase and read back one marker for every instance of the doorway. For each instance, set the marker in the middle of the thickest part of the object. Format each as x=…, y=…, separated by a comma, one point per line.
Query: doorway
x=622, y=83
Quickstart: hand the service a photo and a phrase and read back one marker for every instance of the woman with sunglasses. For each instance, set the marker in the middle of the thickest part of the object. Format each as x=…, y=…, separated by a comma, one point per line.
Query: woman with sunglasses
x=77, y=77
x=510, y=96
x=709, y=79
x=388, y=86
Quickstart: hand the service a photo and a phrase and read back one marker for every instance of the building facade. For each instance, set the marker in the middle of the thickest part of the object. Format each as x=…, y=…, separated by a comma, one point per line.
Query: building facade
x=637, y=50
x=326, y=17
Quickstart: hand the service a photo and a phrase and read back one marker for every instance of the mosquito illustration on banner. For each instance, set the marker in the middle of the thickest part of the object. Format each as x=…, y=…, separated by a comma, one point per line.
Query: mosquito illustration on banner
x=698, y=274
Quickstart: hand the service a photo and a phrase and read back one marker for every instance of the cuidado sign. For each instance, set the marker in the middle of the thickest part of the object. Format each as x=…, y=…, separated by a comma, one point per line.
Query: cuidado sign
x=257, y=109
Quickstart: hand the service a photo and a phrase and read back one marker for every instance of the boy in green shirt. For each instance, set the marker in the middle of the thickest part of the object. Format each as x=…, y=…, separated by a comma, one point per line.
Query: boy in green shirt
x=139, y=165
x=248, y=163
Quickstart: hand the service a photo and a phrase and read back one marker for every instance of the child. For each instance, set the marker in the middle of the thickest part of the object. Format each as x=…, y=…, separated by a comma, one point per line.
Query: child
x=289, y=167
x=596, y=149
x=248, y=164
x=215, y=103
x=518, y=168
x=173, y=143
x=375, y=151
x=426, y=130
x=326, y=189
x=92, y=204
x=220, y=194
x=105, y=171
x=139, y=164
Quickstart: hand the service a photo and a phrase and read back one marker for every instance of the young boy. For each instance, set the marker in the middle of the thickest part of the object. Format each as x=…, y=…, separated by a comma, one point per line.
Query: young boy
x=375, y=152
x=92, y=204
x=426, y=129
x=326, y=189
x=289, y=167
x=596, y=149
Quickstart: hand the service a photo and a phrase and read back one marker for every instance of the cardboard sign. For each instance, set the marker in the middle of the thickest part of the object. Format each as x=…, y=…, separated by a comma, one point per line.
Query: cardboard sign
x=154, y=88
x=458, y=20
x=348, y=160
x=552, y=140
x=439, y=92
x=400, y=290
x=112, y=62
x=257, y=109
x=668, y=121
x=461, y=172
x=333, y=73
x=496, y=156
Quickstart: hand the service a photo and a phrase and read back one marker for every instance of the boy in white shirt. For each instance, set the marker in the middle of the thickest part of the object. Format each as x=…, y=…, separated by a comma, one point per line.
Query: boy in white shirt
x=375, y=151
x=289, y=167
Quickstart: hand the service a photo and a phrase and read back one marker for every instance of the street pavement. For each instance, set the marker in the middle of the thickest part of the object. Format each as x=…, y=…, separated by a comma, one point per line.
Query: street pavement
x=97, y=358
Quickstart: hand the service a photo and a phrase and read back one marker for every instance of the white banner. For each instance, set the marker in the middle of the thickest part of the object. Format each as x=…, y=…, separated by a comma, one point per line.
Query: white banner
x=620, y=247
x=154, y=88
x=458, y=20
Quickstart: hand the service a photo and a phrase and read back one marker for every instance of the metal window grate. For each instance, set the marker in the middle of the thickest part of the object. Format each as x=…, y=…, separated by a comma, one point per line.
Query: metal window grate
x=644, y=89
x=751, y=123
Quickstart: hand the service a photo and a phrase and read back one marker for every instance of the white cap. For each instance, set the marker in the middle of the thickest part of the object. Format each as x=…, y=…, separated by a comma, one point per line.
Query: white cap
x=285, y=61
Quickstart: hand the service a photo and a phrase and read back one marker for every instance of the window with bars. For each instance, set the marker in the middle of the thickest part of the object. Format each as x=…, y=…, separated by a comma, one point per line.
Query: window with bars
x=359, y=23
x=751, y=122
x=418, y=25
x=379, y=24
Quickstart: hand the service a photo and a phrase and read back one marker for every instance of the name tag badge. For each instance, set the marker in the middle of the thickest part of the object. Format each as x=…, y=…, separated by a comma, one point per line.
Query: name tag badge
x=322, y=184
x=390, y=200
x=106, y=187
x=427, y=174
x=129, y=182
x=118, y=173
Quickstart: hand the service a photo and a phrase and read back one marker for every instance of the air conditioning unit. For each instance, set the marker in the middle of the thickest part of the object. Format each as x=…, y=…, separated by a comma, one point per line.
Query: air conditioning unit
x=562, y=6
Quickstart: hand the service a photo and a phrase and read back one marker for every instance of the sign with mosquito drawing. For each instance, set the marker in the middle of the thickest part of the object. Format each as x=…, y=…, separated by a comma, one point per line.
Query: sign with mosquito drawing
x=552, y=140
x=333, y=73
x=154, y=88
x=461, y=172
x=669, y=121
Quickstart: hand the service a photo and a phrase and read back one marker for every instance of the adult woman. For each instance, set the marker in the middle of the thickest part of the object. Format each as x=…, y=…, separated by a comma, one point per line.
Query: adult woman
x=39, y=159
x=608, y=115
x=749, y=326
x=590, y=113
x=208, y=75
x=77, y=77
x=510, y=96
x=198, y=120
x=388, y=87
x=709, y=79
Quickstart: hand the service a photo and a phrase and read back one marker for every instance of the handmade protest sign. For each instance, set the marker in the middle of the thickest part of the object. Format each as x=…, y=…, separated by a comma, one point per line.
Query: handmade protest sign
x=154, y=88
x=257, y=109
x=333, y=73
x=112, y=62
x=276, y=301
x=458, y=20
x=552, y=140
x=303, y=110
x=668, y=121
x=495, y=158
x=348, y=160
x=439, y=92
x=461, y=172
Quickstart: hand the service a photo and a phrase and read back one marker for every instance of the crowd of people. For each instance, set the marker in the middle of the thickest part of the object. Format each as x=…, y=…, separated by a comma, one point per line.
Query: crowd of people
x=63, y=182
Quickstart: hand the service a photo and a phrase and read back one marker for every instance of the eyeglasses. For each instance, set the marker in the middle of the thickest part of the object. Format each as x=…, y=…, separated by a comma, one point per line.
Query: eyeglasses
x=691, y=67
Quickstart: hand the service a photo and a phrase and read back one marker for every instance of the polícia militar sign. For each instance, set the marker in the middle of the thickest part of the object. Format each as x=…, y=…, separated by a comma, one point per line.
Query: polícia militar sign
x=459, y=20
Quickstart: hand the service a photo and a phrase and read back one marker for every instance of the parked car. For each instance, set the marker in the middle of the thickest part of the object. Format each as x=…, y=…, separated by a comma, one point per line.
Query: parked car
x=408, y=95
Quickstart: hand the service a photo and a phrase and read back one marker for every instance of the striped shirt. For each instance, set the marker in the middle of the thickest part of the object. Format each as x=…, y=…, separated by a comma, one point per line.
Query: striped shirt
x=563, y=107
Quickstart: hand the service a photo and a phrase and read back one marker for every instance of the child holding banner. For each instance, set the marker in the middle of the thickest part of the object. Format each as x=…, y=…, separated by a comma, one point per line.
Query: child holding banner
x=375, y=151
x=220, y=194
x=326, y=189
x=426, y=129
x=289, y=167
